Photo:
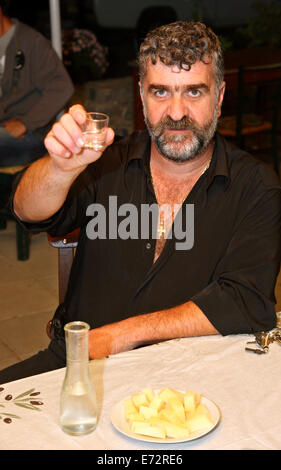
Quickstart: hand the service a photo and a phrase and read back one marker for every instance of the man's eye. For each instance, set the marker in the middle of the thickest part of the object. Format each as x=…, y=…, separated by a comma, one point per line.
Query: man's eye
x=194, y=93
x=160, y=93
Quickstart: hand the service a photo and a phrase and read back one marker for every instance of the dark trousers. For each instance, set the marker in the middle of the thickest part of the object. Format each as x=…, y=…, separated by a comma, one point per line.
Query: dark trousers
x=20, y=151
x=49, y=359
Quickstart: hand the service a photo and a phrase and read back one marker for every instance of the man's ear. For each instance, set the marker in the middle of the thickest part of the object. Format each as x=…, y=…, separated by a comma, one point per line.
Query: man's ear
x=141, y=94
x=220, y=97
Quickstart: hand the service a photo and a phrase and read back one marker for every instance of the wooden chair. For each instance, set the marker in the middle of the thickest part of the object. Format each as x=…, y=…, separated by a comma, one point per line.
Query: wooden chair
x=7, y=176
x=66, y=249
x=257, y=106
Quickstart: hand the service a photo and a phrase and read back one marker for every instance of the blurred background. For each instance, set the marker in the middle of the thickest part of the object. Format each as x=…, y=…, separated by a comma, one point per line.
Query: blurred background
x=100, y=41
x=120, y=25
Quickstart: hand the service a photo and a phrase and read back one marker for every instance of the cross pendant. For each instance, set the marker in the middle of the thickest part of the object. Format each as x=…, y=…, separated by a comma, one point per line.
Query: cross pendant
x=161, y=228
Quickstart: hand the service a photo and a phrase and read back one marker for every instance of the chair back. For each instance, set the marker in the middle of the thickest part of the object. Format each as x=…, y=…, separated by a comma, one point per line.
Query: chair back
x=254, y=93
x=66, y=249
x=259, y=92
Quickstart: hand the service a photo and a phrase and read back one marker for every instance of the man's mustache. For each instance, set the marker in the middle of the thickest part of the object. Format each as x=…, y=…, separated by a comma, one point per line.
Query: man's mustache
x=168, y=123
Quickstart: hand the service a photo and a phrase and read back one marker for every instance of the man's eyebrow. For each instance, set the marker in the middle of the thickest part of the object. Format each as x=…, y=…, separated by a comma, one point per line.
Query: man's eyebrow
x=191, y=86
x=196, y=86
x=153, y=87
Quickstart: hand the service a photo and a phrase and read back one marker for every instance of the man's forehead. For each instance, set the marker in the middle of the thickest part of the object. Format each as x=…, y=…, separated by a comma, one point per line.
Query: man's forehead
x=198, y=72
x=208, y=65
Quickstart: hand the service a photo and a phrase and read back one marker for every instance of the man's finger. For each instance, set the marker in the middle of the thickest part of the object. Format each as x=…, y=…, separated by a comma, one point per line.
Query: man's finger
x=63, y=133
x=78, y=113
x=53, y=146
x=109, y=136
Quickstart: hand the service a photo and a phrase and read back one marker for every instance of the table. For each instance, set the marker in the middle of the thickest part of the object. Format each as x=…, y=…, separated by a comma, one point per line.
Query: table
x=244, y=385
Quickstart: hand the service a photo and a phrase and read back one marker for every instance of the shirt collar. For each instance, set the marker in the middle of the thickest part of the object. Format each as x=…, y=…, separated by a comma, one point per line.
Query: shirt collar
x=220, y=164
x=140, y=150
x=139, y=146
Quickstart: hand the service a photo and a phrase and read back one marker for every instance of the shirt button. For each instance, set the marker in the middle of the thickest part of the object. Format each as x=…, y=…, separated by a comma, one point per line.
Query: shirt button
x=148, y=246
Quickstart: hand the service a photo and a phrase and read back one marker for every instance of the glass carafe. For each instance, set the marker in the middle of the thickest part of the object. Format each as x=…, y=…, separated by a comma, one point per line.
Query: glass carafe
x=78, y=404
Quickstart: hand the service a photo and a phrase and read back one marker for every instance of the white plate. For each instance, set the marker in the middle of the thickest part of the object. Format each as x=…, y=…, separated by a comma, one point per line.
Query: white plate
x=121, y=424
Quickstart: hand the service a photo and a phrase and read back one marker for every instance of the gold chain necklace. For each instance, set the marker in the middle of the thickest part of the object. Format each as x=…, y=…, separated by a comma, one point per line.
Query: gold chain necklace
x=163, y=227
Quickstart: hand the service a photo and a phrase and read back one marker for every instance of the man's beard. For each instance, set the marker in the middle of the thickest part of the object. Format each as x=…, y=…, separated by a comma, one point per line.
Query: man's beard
x=180, y=147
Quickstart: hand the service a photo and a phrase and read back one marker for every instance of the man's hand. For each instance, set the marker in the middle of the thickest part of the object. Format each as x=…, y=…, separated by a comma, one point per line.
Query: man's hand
x=15, y=127
x=65, y=142
x=110, y=339
x=44, y=186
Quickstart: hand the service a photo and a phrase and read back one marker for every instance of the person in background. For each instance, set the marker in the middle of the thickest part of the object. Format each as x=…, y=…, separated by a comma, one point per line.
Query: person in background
x=34, y=88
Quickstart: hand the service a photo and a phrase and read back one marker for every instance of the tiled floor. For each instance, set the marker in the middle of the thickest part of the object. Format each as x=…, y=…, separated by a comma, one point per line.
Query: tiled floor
x=28, y=296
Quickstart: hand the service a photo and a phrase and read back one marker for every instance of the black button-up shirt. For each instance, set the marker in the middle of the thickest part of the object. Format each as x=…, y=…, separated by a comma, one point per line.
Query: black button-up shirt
x=230, y=271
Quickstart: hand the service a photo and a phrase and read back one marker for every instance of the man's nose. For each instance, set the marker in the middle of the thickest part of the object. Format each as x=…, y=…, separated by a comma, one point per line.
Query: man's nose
x=177, y=108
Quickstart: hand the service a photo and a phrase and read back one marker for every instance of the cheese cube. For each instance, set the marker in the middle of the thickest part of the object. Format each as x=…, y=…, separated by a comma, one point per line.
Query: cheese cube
x=135, y=417
x=176, y=431
x=149, y=393
x=197, y=396
x=189, y=401
x=202, y=409
x=129, y=408
x=139, y=399
x=148, y=429
x=167, y=393
x=172, y=430
x=170, y=415
x=157, y=403
x=178, y=408
x=199, y=422
x=147, y=412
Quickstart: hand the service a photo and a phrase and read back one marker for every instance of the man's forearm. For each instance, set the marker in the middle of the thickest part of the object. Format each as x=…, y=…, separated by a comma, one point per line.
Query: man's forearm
x=42, y=191
x=45, y=185
x=181, y=321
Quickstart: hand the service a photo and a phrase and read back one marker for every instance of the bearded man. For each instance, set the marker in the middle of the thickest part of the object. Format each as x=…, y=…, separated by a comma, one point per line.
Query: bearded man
x=135, y=291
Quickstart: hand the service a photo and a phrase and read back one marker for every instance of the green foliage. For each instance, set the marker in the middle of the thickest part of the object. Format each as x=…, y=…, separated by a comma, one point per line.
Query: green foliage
x=83, y=55
x=226, y=43
x=264, y=29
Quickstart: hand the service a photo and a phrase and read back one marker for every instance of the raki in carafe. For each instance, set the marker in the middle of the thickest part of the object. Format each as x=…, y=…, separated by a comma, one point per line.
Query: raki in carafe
x=78, y=403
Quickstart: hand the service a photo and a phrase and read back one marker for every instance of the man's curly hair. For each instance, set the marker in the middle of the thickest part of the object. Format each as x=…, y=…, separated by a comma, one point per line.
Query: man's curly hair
x=182, y=43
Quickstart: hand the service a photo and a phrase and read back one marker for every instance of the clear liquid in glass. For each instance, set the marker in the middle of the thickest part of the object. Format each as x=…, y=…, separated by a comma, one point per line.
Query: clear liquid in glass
x=79, y=414
x=94, y=140
x=78, y=403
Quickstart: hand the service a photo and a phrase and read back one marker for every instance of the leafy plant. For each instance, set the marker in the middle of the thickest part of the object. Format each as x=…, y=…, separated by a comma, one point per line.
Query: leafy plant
x=83, y=54
x=264, y=29
x=225, y=42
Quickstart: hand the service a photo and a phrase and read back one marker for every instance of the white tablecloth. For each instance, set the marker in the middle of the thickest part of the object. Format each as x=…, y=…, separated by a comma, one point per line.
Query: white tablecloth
x=245, y=386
